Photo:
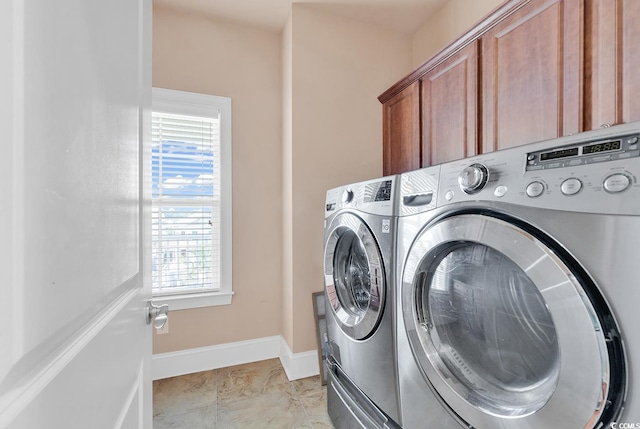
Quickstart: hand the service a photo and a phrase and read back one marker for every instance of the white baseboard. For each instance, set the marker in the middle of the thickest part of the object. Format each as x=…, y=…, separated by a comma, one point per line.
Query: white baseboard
x=188, y=361
x=299, y=365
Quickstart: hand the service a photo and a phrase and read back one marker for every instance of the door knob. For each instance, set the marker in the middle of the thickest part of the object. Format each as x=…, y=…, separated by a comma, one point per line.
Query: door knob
x=158, y=313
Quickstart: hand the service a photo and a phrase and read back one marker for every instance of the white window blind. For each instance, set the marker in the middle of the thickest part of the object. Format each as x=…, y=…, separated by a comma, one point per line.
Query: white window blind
x=186, y=203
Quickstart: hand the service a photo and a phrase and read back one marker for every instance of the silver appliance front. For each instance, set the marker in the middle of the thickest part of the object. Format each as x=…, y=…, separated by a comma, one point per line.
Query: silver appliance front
x=359, y=258
x=349, y=407
x=518, y=296
x=504, y=329
x=354, y=275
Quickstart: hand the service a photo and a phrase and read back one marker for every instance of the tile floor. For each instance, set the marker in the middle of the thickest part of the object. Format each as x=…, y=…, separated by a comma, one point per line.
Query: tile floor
x=254, y=395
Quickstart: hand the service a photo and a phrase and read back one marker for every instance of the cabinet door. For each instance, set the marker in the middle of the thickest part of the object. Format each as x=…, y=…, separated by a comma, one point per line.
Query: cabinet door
x=612, y=59
x=401, y=131
x=449, y=108
x=531, y=65
x=630, y=16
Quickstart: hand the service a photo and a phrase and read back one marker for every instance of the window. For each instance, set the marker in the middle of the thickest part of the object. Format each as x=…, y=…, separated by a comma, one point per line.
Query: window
x=191, y=199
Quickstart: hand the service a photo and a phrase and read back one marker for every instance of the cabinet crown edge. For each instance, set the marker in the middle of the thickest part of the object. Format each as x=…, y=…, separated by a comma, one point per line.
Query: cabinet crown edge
x=475, y=33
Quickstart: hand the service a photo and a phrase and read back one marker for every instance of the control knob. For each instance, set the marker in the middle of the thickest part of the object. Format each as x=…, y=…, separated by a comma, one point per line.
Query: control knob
x=617, y=182
x=347, y=196
x=473, y=178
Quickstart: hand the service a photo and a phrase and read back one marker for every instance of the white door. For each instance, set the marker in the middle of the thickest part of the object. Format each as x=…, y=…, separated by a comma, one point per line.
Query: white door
x=74, y=95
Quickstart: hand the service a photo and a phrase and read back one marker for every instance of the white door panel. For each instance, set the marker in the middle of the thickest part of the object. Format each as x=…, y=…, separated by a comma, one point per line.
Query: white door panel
x=75, y=91
x=89, y=383
x=79, y=173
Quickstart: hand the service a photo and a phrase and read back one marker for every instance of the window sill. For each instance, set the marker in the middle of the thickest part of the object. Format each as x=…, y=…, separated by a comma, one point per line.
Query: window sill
x=194, y=300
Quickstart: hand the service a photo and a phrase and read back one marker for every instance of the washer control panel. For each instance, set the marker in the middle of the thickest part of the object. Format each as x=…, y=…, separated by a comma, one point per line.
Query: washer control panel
x=593, y=172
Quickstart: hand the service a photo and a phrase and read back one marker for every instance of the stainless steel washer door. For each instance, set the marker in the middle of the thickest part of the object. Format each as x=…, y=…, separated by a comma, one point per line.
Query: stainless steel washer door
x=354, y=276
x=501, y=328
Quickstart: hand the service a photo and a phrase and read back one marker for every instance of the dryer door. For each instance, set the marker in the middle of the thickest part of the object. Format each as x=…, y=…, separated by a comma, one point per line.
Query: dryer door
x=503, y=330
x=354, y=276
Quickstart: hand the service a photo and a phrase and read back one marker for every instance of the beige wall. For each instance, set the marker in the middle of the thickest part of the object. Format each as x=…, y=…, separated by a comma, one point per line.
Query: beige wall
x=338, y=68
x=193, y=53
x=306, y=119
x=446, y=25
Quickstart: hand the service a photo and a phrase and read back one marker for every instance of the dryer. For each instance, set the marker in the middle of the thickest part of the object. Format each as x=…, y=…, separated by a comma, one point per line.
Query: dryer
x=519, y=288
x=359, y=258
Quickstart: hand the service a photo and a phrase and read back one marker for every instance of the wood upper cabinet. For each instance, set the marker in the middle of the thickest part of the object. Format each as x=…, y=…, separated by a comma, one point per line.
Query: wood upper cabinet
x=612, y=58
x=401, y=131
x=531, y=75
x=630, y=36
x=532, y=70
x=449, y=102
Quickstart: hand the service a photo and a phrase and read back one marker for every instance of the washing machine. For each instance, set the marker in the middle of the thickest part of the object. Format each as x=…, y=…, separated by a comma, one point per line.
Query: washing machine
x=519, y=287
x=359, y=262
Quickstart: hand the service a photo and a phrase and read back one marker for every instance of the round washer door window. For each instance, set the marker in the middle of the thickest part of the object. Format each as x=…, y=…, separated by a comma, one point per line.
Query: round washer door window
x=490, y=327
x=354, y=277
x=501, y=328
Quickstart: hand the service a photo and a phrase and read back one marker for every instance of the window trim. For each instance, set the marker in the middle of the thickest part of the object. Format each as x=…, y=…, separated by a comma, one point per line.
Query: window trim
x=189, y=103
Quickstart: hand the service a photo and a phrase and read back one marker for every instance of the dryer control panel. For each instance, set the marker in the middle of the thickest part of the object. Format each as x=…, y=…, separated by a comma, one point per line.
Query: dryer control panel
x=592, y=172
x=372, y=196
x=588, y=152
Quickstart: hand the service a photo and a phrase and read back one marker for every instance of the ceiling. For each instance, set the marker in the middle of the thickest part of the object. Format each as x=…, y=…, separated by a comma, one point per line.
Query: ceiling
x=405, y=16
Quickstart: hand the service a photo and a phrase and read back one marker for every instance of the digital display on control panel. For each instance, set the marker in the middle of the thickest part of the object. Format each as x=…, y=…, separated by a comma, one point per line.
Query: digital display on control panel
x=601, y=147
x=380, y=191
x=607, y=148
x=562, y=153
